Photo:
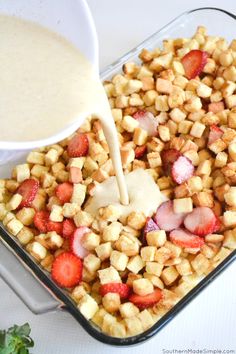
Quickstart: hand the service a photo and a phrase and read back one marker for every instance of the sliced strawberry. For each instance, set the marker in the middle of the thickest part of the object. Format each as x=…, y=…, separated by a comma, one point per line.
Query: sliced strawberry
x=194, y=63
x=168, y=158
x=140, y=151
x=147, y=121
x=64, y=192
x=216, y=107
x=182, y=170
x=150, y=225
x=68, y=228
x=143, y=302
x=166, y=218
x=78, y=146
x=183, y=238
x=54, y=226
x=28, y=190
x=76, y=245
x=201, y=221
x=75, y=175
x=67, y=270
x=119, y=288
x=41, y=219
x=214, y=134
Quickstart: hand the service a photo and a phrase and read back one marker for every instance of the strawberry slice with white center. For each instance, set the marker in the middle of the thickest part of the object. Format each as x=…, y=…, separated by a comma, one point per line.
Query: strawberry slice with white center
x=182, y=170
x=144, y=302
x=216, y=107
x=201, y=221
x=214, y=134
x=147, y=122
x=119, y=288
x=76, y=244
x=28, y=190
x=184, y=238
x=166, y=218
x=194, y=62
x=78, y=146
x=168, y=158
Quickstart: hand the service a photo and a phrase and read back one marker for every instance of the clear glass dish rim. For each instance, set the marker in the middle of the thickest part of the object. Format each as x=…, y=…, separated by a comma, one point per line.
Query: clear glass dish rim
x=61, y=295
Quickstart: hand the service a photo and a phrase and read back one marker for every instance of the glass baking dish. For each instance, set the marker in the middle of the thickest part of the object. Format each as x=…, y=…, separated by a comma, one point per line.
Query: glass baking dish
x=31, y=282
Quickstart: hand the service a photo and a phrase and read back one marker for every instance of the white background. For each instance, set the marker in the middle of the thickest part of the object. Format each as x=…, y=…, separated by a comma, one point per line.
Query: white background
x=209, y=321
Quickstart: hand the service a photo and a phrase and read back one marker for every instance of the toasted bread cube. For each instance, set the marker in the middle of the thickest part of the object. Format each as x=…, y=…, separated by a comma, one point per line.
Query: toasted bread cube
x=204, y=168
x=26, y=216
x=112, y=232
x=56, y=213
x=192, y=155
x=109, y=275
x=184, y=268
x=22, y=172
x=127, y=156
x=150, y=97
x=25, y=236
x=47, y=180
x=38, y=170
x=104, y=250
x=154, y=159
x=162, y=255
x=203, y=90
x=183, y=205
x=14, y=202
x=163, y=86
x=156, y=238
x=88, y=306
x=51, y=157
x=183, y=288
x=37, y=250
x=3, y=211
x=54, y=240
x=78, y=293
x=135, y=264
x=69, y=210
x=79, y=193
x=90, y=241
x=230, y=101
x=11, y=185
x=36, y=157
x=134, y=326
x=230, y=196
x=14, y=226
x=214, y=238
x=119, y=260
x=164, y=132
x=232, y=151
x=230, y=239
x=197, y=129
x=169, y=275
x=77, y=162
x=229, y=218
x=140, y=136
x=111, y=302
x=128, y=309
x=200, y=264
x=111, y=213
x=128, y=245
x=156, y=281
x=129, y=124
x=146, y=319
x=177, y=115
x=82, y=218
x=221, y=159
x=205, y=199
x=154, y=268
x=136, y=220
x=194, y=104
x=175, y=250
x=221, y=255
x=8, y=217
x=99, y=316
x=108, y=321
x=118, y=330
x=148, y=253
x=91, y=263
x=195, y=184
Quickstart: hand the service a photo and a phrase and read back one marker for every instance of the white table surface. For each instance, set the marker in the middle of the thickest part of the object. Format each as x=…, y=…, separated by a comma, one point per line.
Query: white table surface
x=209, y=321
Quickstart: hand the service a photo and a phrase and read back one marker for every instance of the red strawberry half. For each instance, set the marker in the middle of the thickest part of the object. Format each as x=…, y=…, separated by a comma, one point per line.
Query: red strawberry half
x=41, y=219
x=119, y=288
x=54, y=226
x=147, y=122
x=140, y=151
x=183, y=238
x=67, y=270
x=76, y=239
x=168, y=158
x=216, y=107
x=214, y=134
x=78, y=146
x=166, y=218
x=182, y=169
x=150, y=225
x=28, y=190
x=64, y=192
x=194, y=63
x=201, y=221
x=68, y=228
x=143, y=302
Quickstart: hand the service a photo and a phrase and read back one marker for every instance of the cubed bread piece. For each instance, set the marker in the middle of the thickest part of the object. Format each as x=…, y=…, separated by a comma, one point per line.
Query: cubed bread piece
x=69, y=210
x=146, y=319
x=14, y=202
x=119, y=260
x=154, y=268
x=104, y=250
x=78, y=293
x=156, y=238
x=183, y=205
x=134, y=326
x=135, y=264
x=148, y=253
x=25, y=236
x=79, y=193
x=142, y=287
x=230, y=239
x=136, y=220
x=109, y=275
x=169, y=275
x=90, y=241
x=184, y=268
x=56, y=213
x=229, y=218
x=14, y=226
x=22, y=172
x=88, y=306
x=112, y=231
x=83, y=218
x=111, y=302
x=26, y=216
x=118, y=330
x=92, y=263
x=200, y=264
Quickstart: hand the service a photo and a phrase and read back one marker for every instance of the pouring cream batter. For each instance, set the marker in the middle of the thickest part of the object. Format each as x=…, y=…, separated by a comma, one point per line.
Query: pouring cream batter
x=46, y=84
